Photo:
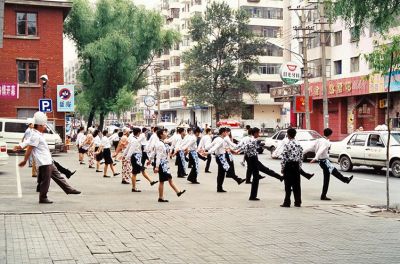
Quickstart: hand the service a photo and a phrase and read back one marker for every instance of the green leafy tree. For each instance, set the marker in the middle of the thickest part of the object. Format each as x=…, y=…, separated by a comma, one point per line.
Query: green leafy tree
x=381, y=14
x=123, y=102
x=217, y=67
x=116, y=43
x=380, y=58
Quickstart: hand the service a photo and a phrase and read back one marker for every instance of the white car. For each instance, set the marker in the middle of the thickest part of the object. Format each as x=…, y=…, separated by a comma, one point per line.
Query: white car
x=3, y=153
x=367, y=148
x=306, y=139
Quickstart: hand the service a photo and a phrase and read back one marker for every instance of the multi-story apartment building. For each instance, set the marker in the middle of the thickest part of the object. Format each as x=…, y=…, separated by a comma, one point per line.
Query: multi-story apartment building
x=356, y=96
x=267, y=20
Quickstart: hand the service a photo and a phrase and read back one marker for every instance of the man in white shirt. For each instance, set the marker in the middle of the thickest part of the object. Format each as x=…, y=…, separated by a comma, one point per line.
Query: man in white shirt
x=205, y=141
x=38, y=147
x=27, y=135
x=321, y=149
x=219, y=146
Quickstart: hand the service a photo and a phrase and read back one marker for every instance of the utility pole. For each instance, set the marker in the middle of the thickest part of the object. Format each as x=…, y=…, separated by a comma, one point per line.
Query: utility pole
x=304, y=37
x=323, y=38
x=157, y=80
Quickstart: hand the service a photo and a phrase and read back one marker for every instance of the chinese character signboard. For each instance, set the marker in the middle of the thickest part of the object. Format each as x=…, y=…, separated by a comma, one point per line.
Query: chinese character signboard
x=340, y=87
x=9, y=91
x=65, y=98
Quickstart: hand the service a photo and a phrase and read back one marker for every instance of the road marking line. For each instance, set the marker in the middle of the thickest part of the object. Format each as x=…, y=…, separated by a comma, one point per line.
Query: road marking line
x=19, y=190
x=369, y=180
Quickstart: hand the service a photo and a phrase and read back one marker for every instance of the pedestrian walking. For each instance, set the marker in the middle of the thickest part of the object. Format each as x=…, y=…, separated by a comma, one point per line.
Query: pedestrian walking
x=105, y=147
x=38, y=147
x=219, y=146
x=205, y=141
x=321, y=149
x=190, y=146
x=162, y=167
x=292, y=156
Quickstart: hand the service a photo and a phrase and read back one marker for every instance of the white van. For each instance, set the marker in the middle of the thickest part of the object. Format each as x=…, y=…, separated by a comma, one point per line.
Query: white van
x=12, y=131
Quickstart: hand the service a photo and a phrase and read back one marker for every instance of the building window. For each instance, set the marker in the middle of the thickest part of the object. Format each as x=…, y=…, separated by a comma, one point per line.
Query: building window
x=27, y=24
x=175, y=92
x=273, y=50
x=353, y=37
x=176, y=77
x=355, y=64
x=338, y=38
x=27, y=72
x=164, y=95
x=248, y=112
x=264, y=12
x=338, y=67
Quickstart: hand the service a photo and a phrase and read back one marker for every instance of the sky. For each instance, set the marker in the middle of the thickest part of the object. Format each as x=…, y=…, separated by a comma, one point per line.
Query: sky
x=69, y=47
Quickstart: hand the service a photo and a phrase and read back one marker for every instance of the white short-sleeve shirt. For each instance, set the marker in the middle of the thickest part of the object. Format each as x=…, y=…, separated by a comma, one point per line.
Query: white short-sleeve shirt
x=40, y=152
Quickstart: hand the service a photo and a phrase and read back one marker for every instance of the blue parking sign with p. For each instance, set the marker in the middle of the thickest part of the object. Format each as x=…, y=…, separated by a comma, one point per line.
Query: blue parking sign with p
x=45, y=105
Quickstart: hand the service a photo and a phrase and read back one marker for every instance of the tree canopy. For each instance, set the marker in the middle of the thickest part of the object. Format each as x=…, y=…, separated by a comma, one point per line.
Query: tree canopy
x=225, y=53
x=381, y=14
x=116, y=43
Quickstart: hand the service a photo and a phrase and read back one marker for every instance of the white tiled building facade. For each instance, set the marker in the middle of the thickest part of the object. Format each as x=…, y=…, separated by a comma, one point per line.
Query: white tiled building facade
x=267, y=19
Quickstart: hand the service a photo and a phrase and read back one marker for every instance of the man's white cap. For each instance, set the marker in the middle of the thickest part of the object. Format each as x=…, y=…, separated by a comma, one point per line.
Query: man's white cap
x=29, y=121
x=39, y=118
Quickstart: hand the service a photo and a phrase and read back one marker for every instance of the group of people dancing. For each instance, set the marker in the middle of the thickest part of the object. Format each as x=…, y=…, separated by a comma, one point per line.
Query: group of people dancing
x=138, y=149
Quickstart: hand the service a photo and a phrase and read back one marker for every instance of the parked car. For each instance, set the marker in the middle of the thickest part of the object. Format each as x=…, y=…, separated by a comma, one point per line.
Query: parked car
x=12, y=131
x=239, y=133
x=367, y=148
x=305, y=137
x=3, y=153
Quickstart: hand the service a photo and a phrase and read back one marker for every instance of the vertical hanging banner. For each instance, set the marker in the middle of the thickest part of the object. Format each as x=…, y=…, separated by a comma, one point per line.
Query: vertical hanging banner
x=65, y=98
x=9, y=91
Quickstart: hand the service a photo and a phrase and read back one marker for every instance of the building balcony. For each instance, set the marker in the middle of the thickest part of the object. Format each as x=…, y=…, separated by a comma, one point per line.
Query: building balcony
x=264, y=77
x=165, y=73
x=261, y=99
x=197, y=8
x=270, y=59
x=266, y=22
x=175, y=68
x=174, y=4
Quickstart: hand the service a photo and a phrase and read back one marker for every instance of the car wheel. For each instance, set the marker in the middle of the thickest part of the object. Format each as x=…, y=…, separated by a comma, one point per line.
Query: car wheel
x=345, y=163
x=396, y=168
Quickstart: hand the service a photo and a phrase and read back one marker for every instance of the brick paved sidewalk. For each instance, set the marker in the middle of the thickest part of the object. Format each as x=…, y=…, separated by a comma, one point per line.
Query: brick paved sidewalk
x=247, y=235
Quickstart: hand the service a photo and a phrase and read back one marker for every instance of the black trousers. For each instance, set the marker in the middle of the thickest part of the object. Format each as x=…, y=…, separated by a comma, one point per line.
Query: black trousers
x=327, y=174
x=193, y=172
x=221, y=174
x=268, y=171
x=62, y=169
x=46, y=173
x=231, y=172
x=249, y=170
x=181, y=169
x=208, y=161
x=253, y=166
x=291, y=173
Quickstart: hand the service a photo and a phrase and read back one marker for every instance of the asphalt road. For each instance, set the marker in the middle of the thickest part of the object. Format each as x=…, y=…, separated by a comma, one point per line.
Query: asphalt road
x=17, y=189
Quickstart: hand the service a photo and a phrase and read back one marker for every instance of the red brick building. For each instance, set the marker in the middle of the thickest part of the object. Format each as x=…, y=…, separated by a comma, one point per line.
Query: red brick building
x=32, y=46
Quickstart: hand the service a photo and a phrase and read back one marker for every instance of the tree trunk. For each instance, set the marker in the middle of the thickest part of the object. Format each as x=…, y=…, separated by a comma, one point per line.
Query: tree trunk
x=217, y=114
x=91, y=116
x=102, y=115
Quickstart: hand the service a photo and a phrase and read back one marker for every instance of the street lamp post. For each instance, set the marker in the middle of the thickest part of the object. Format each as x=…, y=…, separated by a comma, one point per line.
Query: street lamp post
x=44, y=79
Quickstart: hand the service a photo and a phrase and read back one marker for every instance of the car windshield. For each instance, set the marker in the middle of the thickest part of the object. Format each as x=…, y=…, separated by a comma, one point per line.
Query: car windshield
x=307, y=135
x=394, y=139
